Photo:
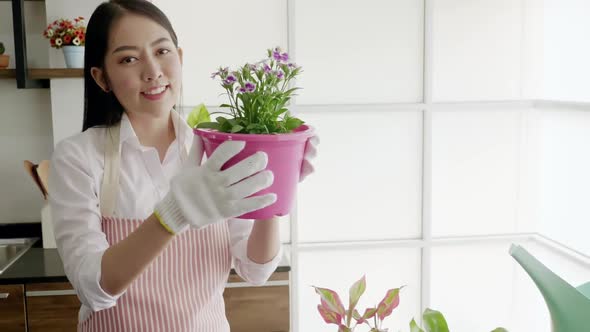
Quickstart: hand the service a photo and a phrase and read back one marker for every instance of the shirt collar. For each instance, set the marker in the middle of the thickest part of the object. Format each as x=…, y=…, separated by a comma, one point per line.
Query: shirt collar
x=127, y=132
x=184, y=131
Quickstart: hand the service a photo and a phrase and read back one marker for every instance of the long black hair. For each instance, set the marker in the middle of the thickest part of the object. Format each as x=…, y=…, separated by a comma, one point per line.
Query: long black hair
x=103, y=108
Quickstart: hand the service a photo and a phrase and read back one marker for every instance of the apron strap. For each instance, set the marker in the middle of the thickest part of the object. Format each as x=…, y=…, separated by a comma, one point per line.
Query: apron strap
x=110, y=180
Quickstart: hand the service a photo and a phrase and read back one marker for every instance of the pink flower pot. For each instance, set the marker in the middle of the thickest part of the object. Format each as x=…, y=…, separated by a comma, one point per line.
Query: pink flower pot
x=285, y=155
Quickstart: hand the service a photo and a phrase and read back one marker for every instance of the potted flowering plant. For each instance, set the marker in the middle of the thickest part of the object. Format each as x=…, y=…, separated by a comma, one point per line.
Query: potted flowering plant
x=70, y=37
x=333, y=311
x=3, y=57
x=257, y=113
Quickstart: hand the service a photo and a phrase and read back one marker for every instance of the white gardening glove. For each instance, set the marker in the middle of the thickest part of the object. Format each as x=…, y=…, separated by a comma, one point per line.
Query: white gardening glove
x=203, y=195
x=311, y=150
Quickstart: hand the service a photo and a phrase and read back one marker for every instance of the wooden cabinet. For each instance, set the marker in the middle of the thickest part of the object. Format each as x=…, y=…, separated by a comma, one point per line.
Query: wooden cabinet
x=52, y=307
x=12, y=309
x=258, y=309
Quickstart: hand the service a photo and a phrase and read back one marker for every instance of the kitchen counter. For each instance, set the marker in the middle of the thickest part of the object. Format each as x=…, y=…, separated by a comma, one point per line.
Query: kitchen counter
x=40, y=265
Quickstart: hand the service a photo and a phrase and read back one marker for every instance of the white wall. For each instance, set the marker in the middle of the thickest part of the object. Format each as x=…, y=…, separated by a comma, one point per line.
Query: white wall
x=67, y=95
x=25, y=121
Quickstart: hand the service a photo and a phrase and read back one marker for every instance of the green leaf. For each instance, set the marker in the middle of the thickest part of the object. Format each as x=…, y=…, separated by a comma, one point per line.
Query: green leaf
x=197, y=115
x=279, y=112
x=369, y=313
x=290, y=91
x=357, y=316
x=212, y=125
x=225, y=127
x=500, y=329
x=355, y=293
x=434, y=321
x=236, y=128
x=343, y=328
x=293, y=123
x=414, y=327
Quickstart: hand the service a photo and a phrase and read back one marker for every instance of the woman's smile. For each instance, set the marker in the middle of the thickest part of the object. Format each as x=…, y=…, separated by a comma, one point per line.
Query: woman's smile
x=155, y=93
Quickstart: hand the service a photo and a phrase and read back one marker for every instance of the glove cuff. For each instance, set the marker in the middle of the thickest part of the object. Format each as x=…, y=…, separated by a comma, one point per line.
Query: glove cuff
x=170, y=215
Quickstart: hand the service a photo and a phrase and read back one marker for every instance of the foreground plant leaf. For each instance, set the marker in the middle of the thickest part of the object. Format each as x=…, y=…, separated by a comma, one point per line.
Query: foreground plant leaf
x=198, y=115
x=343, y=328
x=414, y=327
x=369, y=313
x=211, y=125
x=389, y=302
x=355, y=293
x=434, y=321
x=329, y=317
x=331, y=300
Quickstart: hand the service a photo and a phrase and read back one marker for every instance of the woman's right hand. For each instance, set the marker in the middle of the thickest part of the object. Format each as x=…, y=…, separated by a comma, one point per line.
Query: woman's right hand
x=202, y=195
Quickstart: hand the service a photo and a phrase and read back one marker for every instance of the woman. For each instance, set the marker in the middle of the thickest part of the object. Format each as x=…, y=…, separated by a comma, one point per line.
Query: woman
x=145, y=232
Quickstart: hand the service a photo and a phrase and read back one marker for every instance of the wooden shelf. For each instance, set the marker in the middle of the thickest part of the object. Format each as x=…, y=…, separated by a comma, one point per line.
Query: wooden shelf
x=46, y=73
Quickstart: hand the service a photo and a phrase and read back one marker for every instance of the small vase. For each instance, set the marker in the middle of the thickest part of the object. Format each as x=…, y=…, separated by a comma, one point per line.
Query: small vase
x=4, y=60
x=74, y=56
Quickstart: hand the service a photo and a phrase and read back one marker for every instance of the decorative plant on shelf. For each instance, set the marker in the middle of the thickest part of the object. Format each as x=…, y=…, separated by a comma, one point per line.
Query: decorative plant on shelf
x=257, y=112
x=64, y=32
x=4, y=59
x=71, y=37
x=348, y=319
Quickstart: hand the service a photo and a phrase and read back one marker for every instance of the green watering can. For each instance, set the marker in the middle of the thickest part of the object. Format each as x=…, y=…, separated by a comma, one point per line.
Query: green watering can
x=569, y=307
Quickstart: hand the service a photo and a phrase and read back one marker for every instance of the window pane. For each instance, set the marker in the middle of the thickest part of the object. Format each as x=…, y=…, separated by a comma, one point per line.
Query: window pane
x=477, y=50
x=475, y=162
x=563, y=177
x=359, y=51
x=566, y=58
x=479, y=287
x=368, y=177
x=339, y=269
x=219, y=33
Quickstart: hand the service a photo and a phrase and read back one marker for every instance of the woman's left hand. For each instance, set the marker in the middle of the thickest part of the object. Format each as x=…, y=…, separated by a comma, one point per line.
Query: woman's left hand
x=310, y=153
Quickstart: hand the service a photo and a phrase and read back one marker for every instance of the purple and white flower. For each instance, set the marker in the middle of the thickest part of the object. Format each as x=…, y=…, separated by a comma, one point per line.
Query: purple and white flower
x=279, y=74
x=229, y=80
x=220, y=72
x=247, y=87
x=279, y=56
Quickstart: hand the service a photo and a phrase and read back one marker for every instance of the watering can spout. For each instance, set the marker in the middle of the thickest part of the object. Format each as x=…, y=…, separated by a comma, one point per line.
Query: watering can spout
x=569, y=307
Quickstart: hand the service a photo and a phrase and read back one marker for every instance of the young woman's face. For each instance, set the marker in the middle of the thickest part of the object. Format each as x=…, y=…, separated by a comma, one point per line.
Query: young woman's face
x=143, y=67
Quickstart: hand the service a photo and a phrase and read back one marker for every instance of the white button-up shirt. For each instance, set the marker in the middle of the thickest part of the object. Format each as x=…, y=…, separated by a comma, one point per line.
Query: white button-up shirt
x=74, y=185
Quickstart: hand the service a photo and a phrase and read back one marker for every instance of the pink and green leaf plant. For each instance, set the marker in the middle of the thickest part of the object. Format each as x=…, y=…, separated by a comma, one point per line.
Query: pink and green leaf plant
x=348, y=319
